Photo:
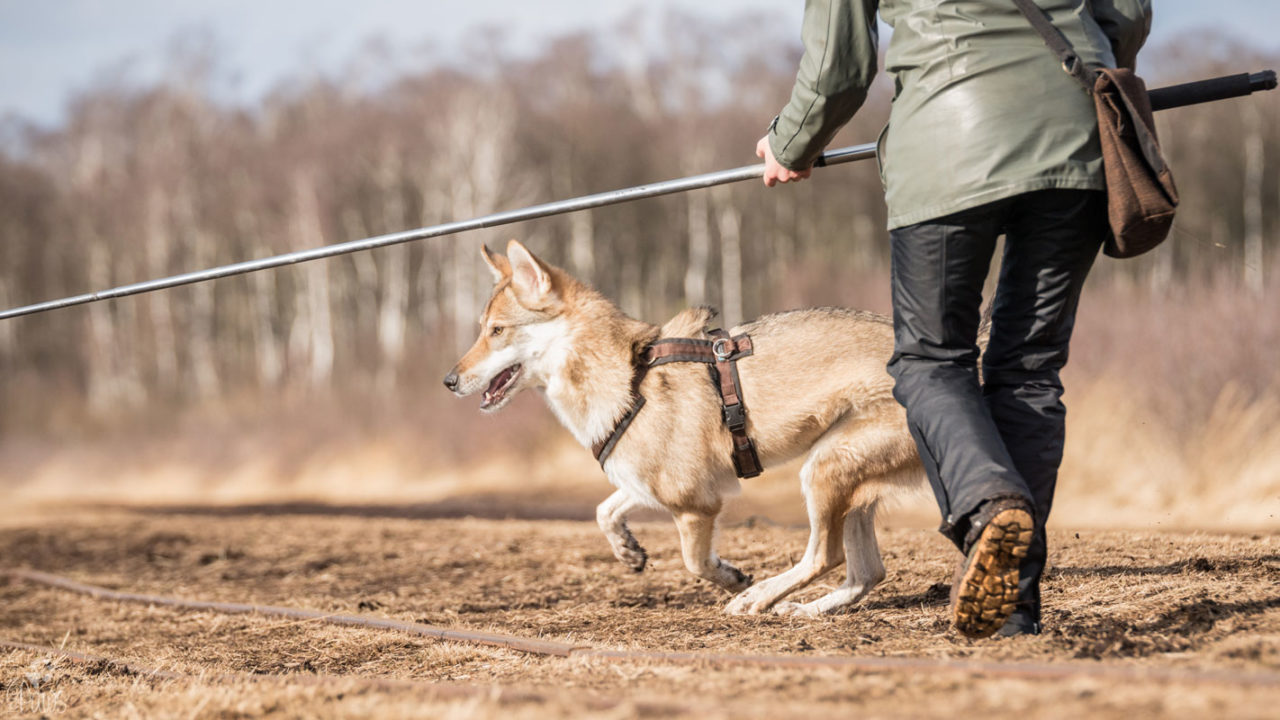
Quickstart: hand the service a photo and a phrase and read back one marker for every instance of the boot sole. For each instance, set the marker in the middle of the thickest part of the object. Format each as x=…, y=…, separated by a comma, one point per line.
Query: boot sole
x=988, y=589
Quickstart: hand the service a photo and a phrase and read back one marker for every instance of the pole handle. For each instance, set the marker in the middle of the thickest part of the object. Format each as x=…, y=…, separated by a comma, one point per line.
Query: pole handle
x=1219, y=88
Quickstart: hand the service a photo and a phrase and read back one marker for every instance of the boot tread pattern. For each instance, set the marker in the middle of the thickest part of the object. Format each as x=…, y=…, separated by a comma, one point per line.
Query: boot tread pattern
x=987, y=591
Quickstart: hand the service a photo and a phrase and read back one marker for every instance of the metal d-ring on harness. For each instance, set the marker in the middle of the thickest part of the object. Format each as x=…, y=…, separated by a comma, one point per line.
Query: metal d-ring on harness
x=721, y=354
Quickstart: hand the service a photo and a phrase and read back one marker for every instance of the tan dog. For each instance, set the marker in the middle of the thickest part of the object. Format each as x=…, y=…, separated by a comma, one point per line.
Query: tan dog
x=816, y=383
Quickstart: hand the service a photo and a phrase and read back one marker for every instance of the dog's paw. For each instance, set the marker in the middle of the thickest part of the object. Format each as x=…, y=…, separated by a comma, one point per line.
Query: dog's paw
x=630, y=552
x=747, y=602
x=739, y=606
x=633, y=557
x=793, y=609
x=733, y=579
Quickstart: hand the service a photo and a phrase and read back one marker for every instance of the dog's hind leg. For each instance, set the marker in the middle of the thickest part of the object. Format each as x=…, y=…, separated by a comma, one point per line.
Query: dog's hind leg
x=697, y=535
x=827, y=500
x=612, y=517
x=862, y=563
x=857, y=460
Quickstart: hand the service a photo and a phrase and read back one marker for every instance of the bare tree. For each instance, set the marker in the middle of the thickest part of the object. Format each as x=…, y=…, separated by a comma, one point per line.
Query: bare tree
x=729, y=225
x=312, y=335
x=394, y=309
x=699, y=229
x=476, y=168
x=1254, y=162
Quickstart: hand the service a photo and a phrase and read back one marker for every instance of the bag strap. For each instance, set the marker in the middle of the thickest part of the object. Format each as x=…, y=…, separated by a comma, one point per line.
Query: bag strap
x=1057, y=42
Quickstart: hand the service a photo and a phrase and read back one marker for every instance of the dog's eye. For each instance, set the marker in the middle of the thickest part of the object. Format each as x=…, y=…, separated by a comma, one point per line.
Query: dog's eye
x=497, y=330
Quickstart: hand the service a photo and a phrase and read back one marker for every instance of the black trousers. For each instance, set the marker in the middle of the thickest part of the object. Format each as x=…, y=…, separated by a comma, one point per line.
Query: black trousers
x=1003, y=436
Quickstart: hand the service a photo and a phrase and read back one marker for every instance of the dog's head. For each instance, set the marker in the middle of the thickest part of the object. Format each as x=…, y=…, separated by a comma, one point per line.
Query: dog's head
x=519, y=329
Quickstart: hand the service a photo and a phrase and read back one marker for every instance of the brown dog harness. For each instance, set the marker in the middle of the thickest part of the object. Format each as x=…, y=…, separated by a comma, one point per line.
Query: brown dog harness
x=721, y=354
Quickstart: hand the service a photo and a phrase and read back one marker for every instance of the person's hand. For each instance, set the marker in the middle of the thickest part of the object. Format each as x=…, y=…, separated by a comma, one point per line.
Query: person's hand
x=773, y=172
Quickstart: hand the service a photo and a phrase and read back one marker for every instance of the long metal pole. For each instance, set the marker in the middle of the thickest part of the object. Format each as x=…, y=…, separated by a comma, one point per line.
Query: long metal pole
x=559, y=207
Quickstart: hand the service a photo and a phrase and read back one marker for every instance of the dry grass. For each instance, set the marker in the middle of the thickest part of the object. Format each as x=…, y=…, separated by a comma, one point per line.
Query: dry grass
x=1126, y=465
x=1174, y=421
x=1174, y=410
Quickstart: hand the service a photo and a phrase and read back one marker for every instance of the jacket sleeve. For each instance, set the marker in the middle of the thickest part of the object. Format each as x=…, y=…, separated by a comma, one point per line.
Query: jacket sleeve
x=838, y=66
x=1126, y=23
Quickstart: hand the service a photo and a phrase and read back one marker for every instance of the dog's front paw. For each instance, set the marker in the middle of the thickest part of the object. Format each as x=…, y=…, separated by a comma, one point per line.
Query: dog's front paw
x=739, y=605
x=759, y=598
x=630, y=552
x=792, y=609
x=633, y=557
x=747, y=602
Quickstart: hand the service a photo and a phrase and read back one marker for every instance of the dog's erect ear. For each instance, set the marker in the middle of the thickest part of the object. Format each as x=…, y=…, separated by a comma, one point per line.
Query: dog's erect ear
x=498, y=264
x=529, y=277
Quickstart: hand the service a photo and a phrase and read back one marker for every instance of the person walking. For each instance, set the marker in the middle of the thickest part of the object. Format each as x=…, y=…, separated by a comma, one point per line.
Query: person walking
x=987, y=136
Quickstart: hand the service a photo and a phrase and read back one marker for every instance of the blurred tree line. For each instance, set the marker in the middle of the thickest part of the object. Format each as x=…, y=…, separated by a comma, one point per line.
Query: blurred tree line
x=146, y=182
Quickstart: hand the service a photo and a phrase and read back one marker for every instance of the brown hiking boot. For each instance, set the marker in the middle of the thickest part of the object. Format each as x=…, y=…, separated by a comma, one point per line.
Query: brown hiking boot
x=985, y=591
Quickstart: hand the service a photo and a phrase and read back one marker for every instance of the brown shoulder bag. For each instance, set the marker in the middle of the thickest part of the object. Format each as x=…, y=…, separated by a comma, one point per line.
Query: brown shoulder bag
x=1141, y=195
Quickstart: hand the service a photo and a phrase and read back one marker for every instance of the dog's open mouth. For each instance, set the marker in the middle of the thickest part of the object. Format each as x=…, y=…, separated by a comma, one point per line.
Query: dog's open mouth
x=499, y=386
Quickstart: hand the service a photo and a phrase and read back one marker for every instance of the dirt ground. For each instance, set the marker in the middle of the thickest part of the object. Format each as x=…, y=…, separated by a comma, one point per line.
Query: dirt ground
x=1184, y=601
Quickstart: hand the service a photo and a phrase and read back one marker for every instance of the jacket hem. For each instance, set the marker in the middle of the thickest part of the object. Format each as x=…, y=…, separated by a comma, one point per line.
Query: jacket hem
x=991, y=195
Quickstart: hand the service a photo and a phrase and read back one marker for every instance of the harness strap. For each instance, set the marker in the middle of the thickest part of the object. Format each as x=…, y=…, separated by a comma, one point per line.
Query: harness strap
x=726, y=351
x=603, y=448
x=721, y=355
x=669, y=350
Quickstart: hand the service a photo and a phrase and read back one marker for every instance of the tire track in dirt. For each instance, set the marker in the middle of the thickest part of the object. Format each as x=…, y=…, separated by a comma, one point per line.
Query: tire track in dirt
x=550, y=648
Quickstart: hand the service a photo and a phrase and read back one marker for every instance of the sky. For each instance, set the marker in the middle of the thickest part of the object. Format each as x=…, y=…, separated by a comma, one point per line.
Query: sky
x=51, y=48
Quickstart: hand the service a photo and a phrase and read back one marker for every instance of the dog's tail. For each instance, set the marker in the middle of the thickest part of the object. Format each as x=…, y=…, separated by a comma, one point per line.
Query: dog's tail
x=984, y=326
x=690, y=322
x=984, y=334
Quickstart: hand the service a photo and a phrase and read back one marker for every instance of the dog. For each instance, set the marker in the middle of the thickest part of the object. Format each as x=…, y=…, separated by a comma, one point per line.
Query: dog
x=815, y=383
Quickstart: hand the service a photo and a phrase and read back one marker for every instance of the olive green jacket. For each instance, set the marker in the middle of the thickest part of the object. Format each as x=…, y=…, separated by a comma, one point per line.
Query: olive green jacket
x=981, y=109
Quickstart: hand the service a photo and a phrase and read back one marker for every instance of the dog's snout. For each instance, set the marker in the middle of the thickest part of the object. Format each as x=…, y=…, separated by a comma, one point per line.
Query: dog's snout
x=451, y=381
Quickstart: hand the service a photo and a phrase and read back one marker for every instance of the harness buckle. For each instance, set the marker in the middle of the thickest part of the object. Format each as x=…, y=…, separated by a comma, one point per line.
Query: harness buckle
x=734, y=416
x=722, y=349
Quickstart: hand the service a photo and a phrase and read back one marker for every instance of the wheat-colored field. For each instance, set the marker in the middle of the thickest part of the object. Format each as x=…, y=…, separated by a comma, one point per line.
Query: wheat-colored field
x=1173, y=422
